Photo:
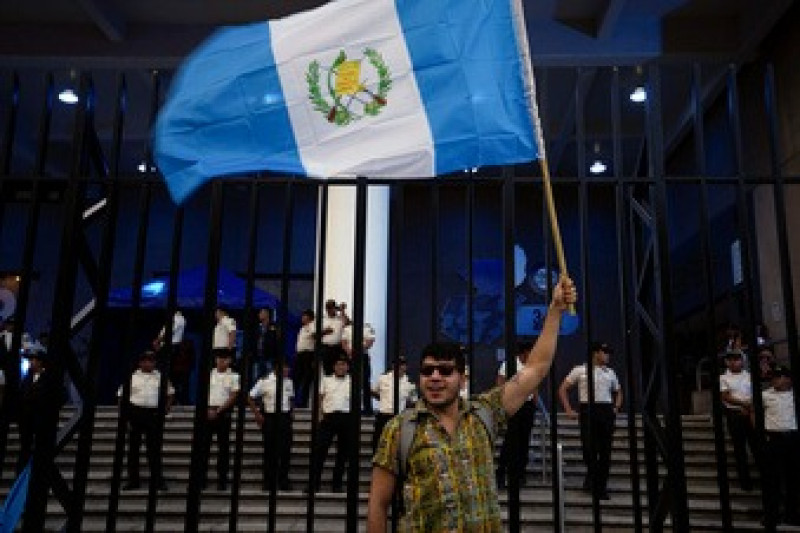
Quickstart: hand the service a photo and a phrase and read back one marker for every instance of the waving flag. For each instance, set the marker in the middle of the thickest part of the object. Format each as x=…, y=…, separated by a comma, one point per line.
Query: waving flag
x=381, y=88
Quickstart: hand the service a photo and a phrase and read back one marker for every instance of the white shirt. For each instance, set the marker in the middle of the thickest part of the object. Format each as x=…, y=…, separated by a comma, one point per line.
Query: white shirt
x=335, y=393
x=178, y=327
x=502, y=371
x=221, y=385
x=222, y=331
x=7, y=336
x=385, y=391
x=144, y=388
x=333, y=338
x=739, y=385
x=265, y=388
x=368, y=336
x=605, y=383
x=779, y=410
x=305, y=338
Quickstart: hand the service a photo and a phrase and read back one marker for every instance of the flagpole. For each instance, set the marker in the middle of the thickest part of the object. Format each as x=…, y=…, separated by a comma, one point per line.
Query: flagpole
x=530, y=85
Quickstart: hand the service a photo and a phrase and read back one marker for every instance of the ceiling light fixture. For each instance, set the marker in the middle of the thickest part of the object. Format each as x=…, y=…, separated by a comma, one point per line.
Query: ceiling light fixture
x=68, y=97
x=598, y=167
x=142, y=167
x=638, y=95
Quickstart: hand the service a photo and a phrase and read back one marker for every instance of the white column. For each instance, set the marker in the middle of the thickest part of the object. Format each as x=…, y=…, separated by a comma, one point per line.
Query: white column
x=340, y=257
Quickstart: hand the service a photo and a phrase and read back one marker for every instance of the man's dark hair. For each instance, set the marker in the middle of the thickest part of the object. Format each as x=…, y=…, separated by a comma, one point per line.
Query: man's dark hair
x=309, y=313
x=445, y=351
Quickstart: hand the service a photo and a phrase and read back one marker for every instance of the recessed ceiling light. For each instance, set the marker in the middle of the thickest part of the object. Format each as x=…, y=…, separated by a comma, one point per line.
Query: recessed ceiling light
x=598, y=167
x=142, y=167
x=68, y=96
x=638, y=95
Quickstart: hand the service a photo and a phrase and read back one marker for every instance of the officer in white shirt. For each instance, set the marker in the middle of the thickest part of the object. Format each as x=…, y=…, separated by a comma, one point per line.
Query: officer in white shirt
x=305, y=365
x=334, y=392
x=368, y=341
x=142, y=411
x=331, y=341
x=223, y=387
x=178, y=329
x=781, y=450
x=384, y=392
x=276, y=427
x=607, y=402
x=224, y=340
x=736, y=391
x=516, y=444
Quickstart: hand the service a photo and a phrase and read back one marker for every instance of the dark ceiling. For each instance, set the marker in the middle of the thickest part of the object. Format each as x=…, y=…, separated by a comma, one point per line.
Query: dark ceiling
x=106, y=37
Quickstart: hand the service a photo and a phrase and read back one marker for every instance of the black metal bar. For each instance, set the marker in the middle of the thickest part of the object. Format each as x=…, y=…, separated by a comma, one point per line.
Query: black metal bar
x=250, y=345
x=779, y=191
x=200, y=460
x=43, y=472
x=29, y=248
x=11, y=127
x=320, y=295
x=434, y=302
x=676, y=468
x=471, y=278
x=510, y=335
x=708, y=278
x=121, y=106
x=397, y=214
x=357, y=345
x=145, y=201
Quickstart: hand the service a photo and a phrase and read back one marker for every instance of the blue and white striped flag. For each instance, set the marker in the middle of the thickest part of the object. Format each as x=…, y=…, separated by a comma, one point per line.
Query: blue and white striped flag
x=380, y=88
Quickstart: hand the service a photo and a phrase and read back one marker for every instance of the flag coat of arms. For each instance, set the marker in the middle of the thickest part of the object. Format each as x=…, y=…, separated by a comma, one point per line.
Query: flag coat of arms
x=380, y=88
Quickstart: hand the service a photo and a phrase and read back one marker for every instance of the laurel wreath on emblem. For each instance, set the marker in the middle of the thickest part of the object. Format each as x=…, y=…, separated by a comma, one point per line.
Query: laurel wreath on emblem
x=340, y=109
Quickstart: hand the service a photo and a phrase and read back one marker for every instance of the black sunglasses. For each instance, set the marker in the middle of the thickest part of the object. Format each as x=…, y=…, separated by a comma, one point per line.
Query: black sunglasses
x=444, y=370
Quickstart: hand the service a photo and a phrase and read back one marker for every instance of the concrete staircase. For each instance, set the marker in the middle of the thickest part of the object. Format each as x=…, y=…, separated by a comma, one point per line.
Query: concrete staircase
x=329, y=508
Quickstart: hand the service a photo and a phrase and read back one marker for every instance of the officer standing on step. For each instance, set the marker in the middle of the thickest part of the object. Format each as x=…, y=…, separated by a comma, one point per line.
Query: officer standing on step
x=223, y=387
x=142, y=412
x=599, y=417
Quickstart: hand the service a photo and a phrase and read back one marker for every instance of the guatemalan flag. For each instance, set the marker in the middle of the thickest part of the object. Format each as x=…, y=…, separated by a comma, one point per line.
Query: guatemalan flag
x=378, y=88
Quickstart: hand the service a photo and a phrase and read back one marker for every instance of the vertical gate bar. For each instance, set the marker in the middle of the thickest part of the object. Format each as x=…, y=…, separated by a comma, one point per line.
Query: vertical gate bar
x=249, y=324
x=322, y=235
x=120, y=108
x=583, y=200
x=434, y=303
x=13, y=378
x=510, y=334
x=708, y=278
x=288, y=225
x=787, y=286
x=624, y=275
x=155, y=98
x=40, y=480
x=136, y=298
x=105, y=265
x=676, y=470
x=200, y=426
x=470, y=230
x=397, y=220
x=357, y=346
x=11, y=127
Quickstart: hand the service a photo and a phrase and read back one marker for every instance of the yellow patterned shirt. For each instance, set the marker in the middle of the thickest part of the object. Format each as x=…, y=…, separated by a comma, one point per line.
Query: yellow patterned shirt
x=449, y=483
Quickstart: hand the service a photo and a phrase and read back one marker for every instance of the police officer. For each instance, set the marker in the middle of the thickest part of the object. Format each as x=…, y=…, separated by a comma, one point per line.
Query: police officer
x=142, y=412
x=334, y=394
x=223, y=387
x=276, y=427
x=599, y=417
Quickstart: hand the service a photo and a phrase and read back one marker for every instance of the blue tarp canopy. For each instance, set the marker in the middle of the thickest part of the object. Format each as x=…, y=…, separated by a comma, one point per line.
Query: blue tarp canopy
x=231, y=292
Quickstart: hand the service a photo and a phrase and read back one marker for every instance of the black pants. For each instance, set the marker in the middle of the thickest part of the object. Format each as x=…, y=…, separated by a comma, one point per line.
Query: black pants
x=277, y=434
x=143, y=422
x=381, y=419
x=332, y=425
x=517, y=442
x=597, y=457
x=305, y=370
x=221, y=428
x=329, y=354
x=782, y=474
x=742, y=435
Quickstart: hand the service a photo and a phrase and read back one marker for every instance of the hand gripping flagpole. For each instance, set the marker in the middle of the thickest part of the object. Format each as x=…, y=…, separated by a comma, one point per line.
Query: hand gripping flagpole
x=530, y=89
